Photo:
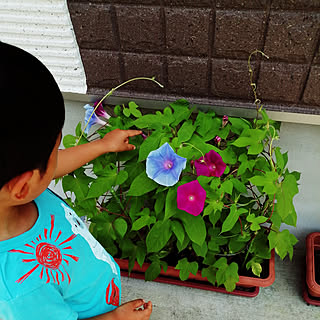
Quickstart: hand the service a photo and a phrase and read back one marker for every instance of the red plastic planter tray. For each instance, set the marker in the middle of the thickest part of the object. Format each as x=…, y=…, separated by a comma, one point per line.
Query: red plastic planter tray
x=308, y=298
x=312, y=245
x=247, y=286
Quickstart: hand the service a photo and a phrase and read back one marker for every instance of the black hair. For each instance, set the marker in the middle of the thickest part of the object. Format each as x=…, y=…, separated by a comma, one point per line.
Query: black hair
x=31, y=113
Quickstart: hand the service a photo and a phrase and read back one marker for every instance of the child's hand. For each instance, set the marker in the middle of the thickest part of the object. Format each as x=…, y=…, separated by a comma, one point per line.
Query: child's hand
x=118, y=140
x=133, y=310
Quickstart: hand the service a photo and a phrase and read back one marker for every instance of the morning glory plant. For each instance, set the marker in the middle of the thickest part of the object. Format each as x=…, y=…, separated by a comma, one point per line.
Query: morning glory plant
x=201, y=189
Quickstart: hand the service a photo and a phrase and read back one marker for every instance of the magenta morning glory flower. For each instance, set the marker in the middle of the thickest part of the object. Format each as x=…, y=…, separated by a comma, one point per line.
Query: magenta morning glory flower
x=225, y=120
x=211, y=165
x=191, y=197
x=164, y=166
x=93, y=120
x=100, y=112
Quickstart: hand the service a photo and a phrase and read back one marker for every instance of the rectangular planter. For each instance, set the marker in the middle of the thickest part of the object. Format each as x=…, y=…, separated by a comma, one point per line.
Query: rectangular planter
x=247, y=286
x=312, y=245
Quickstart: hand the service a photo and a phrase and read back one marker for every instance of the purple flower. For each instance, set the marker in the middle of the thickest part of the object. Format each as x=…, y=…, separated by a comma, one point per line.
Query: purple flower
x=217, y=140
x=100, y=112
x=164, y=166
x=225, y=120
x=211, y=165
x=191, y=197
x=144, y=137
x=91, y=118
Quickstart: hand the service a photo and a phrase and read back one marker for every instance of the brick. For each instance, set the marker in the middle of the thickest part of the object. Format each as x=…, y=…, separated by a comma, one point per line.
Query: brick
x=188, y=3
x=292, y=36
x=238, y=33
x=295, y=4
x=311, y=94
x=136, y=2
x=92, y=25
x=187, y=75
x=187, y=31
x=140, y=28
x=241, y=4
x=317, y=57
x=231, y=79
x=102, y=68
x=281, y=82
x=143, y=65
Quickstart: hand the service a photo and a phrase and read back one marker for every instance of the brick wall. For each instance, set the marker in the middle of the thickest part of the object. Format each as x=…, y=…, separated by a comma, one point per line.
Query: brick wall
x=199, y=49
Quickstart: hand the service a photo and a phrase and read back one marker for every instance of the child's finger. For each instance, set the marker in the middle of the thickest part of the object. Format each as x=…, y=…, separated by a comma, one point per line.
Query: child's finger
x=136, y=303
x=148, y=306
x=132, y=133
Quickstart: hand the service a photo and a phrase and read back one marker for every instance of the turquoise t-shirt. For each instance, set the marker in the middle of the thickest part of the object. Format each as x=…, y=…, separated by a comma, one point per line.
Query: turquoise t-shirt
x=56, y=270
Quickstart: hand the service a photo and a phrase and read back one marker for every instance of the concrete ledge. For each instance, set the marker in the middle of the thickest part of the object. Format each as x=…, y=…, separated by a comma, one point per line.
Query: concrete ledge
x=244, y=110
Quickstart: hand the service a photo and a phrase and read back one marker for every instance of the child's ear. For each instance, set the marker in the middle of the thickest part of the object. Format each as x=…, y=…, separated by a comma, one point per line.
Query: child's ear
x=18, y=187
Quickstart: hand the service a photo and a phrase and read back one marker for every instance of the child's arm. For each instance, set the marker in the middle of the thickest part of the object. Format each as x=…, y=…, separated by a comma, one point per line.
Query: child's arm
x=128, y=311
x=73, y=158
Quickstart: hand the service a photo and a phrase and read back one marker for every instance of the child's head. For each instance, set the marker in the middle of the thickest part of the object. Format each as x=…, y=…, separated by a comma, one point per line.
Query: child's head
x=32, y=113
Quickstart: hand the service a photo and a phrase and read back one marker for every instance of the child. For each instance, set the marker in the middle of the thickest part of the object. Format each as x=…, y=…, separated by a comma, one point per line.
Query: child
x=50, y=265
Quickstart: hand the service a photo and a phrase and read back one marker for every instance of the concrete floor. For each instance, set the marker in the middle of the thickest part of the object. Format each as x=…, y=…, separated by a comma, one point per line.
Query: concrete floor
x=282, y=300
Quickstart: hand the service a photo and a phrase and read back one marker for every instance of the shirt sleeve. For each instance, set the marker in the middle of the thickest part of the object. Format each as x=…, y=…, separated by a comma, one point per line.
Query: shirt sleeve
x=42, y=303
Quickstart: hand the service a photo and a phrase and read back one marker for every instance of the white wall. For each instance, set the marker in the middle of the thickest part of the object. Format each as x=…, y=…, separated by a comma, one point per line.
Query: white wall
x=44, y=28
x=302, y=143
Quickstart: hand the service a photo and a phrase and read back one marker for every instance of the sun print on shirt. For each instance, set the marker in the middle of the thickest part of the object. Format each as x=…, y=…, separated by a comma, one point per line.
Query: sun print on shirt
x=51, y=256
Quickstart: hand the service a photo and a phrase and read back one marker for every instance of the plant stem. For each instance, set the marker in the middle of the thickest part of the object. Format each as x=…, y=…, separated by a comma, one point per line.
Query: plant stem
x=191, y=145
x=117, y=198
x=253, y=85
x=111, y=92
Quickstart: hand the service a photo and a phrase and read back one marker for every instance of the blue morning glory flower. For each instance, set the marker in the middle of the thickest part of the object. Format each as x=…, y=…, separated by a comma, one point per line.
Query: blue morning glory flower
x=164, y=166
x=93, y=120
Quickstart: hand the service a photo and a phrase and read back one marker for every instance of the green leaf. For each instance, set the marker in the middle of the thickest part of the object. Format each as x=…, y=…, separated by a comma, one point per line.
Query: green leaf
x=153, y=121
x=194, y=227
x=69, y=141
x=186, y=131
x=186, y=268
x=126, y=112
x=141, y=185
x=200, y=251
x=279, y=158
x=210, y=274
x=255, y=266
x=153, y=271
x=181, y=111
x=232, y=218
x=239, y=124
x=227, y=186
x=238, y=185
x=178, y=231
x=158, y=236
x=227, y=274
x=267, y=181
x=284, y=206
x=122, y=176
x=78, y=129
x=171, y=208
x=120, y=226
x=142, y=222
x=256, y=221
x=282, y=242
x=77, y=185
x=160, y=202
x=204, y=123
x=150, y=144
x=134, y=109
x=102, y=184
x=141, y=255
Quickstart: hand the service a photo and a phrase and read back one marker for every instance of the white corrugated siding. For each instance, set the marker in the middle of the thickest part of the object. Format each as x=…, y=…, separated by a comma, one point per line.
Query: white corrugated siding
x=44, y=28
